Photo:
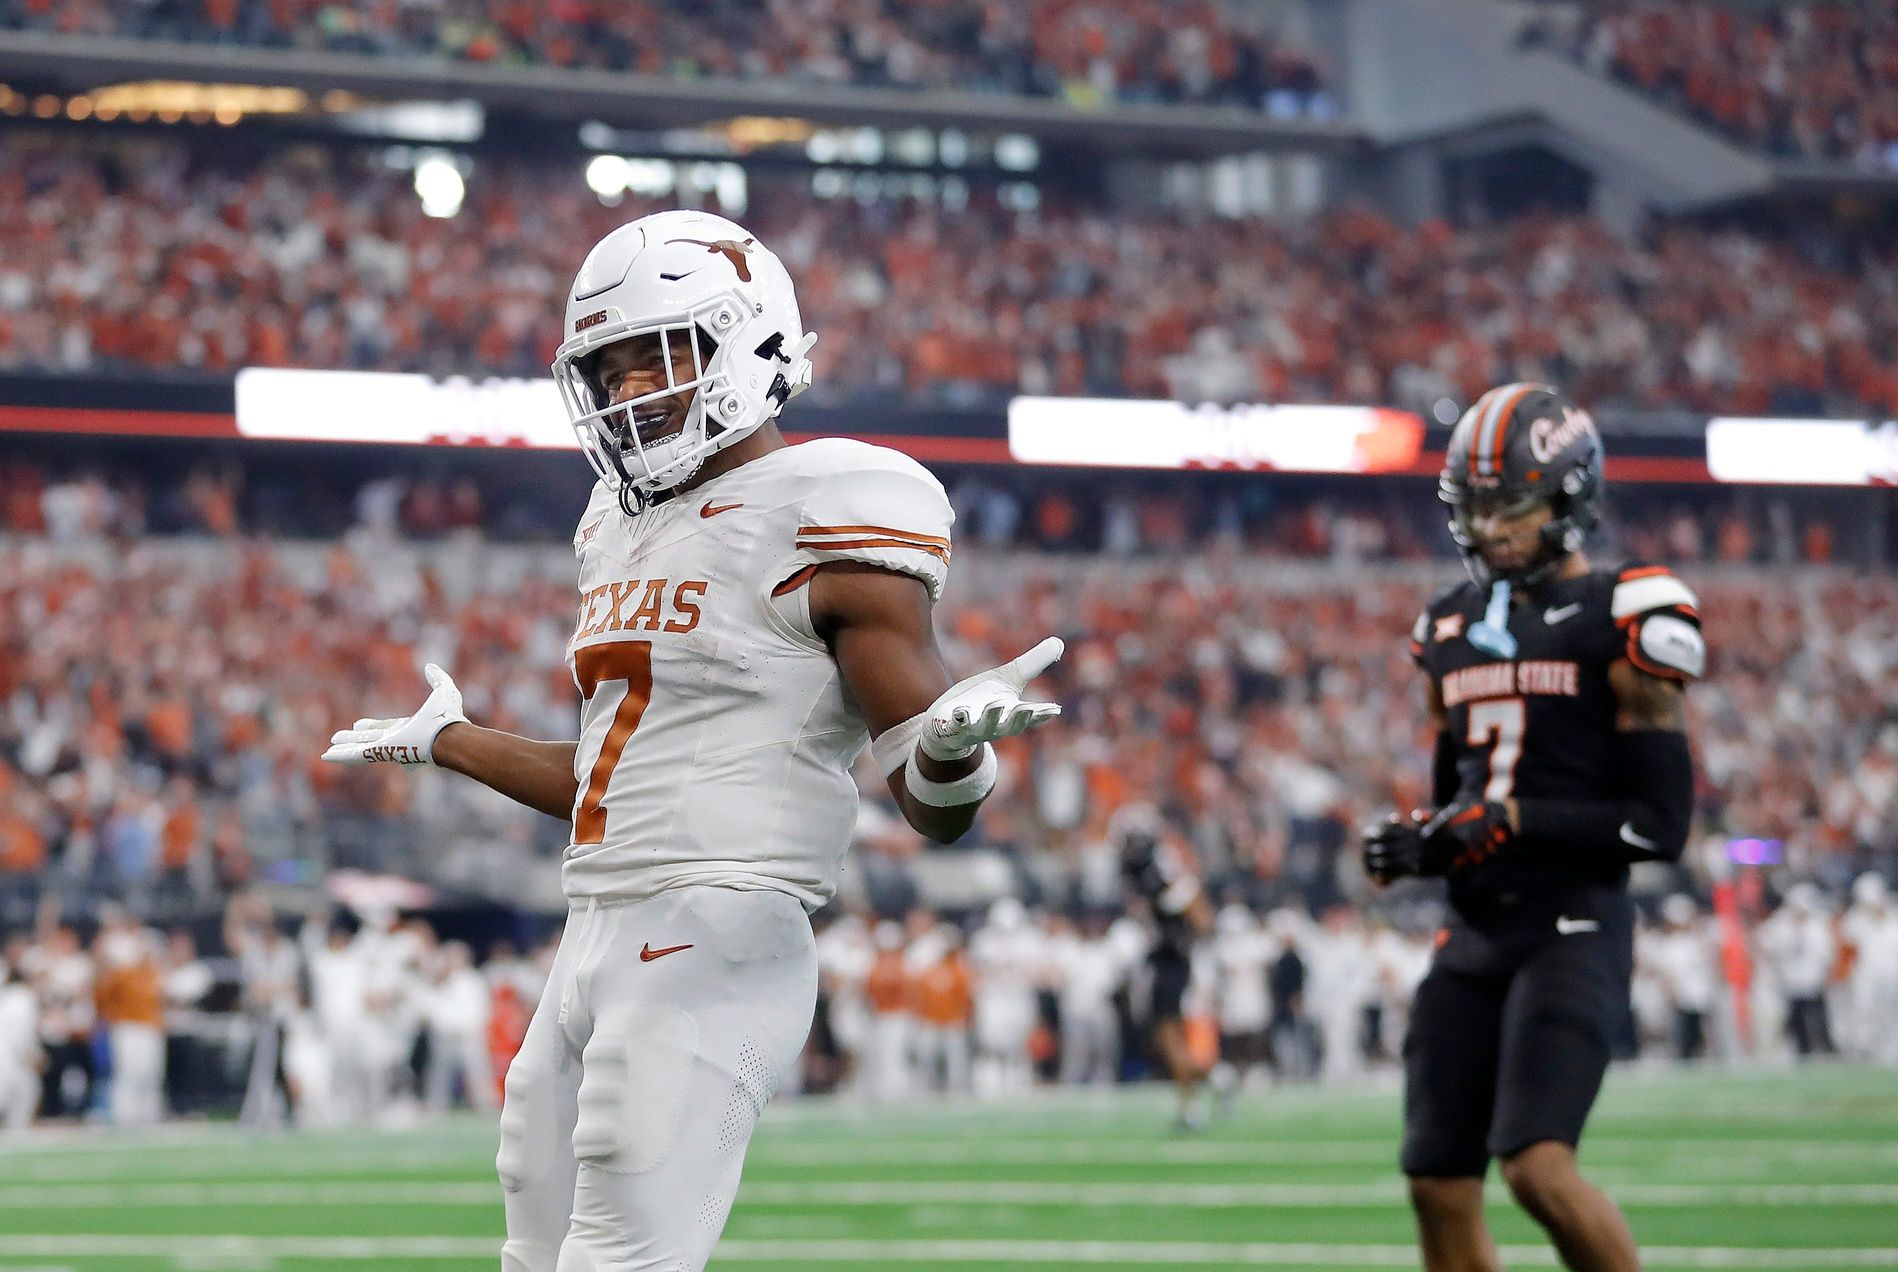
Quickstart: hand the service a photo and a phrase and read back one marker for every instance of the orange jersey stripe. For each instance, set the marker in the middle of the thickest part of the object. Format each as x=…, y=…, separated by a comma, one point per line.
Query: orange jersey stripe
x=1502, y=425
x=1476, y=434
x=1645, y=572
x=796, y=581
x=886, y=531
x=1632, y=619
x=831, y=545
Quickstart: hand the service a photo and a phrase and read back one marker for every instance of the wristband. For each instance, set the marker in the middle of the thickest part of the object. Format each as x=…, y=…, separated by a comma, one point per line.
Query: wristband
x=893, y=747
x=936, y=747
x=971, y=789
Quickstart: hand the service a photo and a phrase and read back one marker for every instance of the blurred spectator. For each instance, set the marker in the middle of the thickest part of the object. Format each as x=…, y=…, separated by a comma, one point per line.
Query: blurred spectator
x=321, y=258
x=271, y=974
x=1087, y=971
x=187, y=982
x=1683, y=955
x=942, y=1000
x=1869, y=931
x=1801, y=952
x=456, y=1003
x=919, y=991
x=20, y=1056
x=1259, y=697
x=129, y=994
x=1090, y=52
x=62, y=975
x=885, y=1071
x=1807, y=81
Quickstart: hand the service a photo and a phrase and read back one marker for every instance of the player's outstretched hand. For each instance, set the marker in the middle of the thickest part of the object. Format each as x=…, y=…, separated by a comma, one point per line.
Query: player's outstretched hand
x=406, y=739
x=989, y=705
x=1394, y=848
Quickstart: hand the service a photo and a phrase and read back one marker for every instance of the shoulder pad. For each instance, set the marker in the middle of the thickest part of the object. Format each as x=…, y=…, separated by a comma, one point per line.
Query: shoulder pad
x=1668, y=645
x=878, y=507
x=1642, y=589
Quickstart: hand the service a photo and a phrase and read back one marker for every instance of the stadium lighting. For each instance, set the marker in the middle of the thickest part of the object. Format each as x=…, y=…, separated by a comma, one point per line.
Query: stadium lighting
x=181, y=98
x=439, y=183
x=607, y=175
x=1017, y=153
x=1128, y=433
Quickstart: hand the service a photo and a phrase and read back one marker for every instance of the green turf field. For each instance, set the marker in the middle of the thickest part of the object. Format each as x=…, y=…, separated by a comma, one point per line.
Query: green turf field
x=1785, y=1171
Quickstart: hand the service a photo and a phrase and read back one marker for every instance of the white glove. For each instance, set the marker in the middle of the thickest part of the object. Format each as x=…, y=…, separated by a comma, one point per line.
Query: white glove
x=406, y=740
x=988, y=705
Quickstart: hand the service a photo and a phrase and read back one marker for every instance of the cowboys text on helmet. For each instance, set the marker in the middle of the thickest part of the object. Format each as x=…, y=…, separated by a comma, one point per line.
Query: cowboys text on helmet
x=1519, y=446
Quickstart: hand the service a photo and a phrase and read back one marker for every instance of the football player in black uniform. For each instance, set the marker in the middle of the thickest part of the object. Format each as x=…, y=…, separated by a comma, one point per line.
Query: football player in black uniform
x=1182, y=915
x=1561, y=758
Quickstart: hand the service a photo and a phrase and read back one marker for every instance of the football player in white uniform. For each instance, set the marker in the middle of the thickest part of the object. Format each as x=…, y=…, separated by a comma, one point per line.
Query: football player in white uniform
x=750, y=614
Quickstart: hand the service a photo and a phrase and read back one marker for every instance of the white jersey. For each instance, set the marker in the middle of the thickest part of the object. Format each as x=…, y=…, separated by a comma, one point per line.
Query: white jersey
x=1873, y=935
x=716, y=737
x=1242, y=965
x=1687, y=959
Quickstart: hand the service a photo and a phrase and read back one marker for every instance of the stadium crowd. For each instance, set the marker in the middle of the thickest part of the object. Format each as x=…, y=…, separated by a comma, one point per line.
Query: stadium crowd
x=156, y=760
x=149, y=255
x=370, y=1016
x=1243, y=667
x=1804, y=81
x=1086, y=52
x=425, y=497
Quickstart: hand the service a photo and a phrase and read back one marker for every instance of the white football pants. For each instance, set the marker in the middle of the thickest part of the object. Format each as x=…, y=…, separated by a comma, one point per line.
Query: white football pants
x=665, y=1026
x=138, y=1075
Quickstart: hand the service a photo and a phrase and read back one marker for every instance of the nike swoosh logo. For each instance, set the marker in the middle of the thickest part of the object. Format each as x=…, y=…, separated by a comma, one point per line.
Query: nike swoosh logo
x=1634, y=839
x=712, y=510
x=647, y=953
x=1569, y=927
x=1561, y=613
x=673, y=278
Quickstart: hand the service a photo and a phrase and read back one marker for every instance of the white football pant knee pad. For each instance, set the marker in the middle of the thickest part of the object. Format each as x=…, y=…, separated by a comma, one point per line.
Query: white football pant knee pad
x=635, y=1072
x=526, y=1091
x=511, y=1162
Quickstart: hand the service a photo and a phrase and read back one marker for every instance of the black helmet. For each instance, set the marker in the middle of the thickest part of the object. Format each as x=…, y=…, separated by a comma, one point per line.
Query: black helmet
x=1516, y=446
x=1139, y=851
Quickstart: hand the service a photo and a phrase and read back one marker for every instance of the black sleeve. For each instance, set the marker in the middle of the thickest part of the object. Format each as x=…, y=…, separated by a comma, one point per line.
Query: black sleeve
x=1444, y=779
x=1654, y=777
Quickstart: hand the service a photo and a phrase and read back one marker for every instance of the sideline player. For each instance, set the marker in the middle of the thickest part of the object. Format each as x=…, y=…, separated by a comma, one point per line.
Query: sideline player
x=1181, y=916
x=750, y=613
x=1561, y=757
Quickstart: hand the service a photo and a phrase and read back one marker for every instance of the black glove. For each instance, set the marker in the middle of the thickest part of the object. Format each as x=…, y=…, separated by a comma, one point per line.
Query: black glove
x=1464, y=835
x=1394, y=848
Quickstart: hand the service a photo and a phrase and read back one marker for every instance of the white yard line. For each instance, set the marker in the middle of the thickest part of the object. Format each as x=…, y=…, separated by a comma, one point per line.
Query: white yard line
x=293, y=1159
x=995, y=1253
x=870, y=1193
x=1339, y=1151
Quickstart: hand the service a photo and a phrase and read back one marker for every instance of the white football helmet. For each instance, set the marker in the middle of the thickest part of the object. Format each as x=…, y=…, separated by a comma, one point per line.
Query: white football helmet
x=690, y=276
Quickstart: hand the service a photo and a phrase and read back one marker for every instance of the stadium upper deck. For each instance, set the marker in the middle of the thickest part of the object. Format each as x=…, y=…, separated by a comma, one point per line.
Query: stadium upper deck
x=132, y=253
x=1083, y=51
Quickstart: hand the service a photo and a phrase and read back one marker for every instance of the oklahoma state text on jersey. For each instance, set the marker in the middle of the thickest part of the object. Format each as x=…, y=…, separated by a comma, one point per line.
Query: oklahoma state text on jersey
x=1542, y=723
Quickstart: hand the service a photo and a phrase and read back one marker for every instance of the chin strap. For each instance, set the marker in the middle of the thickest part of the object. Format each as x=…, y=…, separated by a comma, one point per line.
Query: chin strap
x=1491, y=635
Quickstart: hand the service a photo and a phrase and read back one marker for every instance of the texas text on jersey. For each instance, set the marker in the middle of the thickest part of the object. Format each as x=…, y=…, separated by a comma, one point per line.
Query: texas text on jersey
x=1540, y=723
x=716, y=737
